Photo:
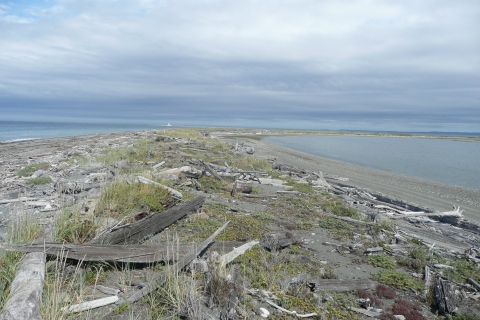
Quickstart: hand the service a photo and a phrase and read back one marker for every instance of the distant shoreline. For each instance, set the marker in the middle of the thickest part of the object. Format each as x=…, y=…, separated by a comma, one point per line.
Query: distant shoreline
x=420, y=192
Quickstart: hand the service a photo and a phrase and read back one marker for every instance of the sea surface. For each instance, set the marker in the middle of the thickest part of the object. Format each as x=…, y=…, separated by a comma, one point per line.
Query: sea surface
x=11, y=131
x=443, y=160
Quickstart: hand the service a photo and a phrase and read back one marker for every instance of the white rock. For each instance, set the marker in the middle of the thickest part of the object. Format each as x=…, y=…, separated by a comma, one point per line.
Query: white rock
x=264, y=313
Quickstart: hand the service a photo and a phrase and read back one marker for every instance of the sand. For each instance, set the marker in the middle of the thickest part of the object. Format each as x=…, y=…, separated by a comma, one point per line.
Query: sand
x=424, y=193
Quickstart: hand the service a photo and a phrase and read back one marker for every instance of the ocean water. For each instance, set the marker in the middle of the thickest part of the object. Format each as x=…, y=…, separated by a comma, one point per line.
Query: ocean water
x=19, y=130
x=444, y=160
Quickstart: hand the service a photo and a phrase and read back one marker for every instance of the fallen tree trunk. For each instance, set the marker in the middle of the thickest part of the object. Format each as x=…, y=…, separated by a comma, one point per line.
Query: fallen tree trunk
x=176, y=194
x=181, y=263
x=103, y=252
x=445, y=296
x=213, y=172
x=26, y=290
x=150, y=225
x=338, y=285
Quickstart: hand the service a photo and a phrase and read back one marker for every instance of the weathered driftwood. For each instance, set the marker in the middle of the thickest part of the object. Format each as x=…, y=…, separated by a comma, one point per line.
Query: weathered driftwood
x=103, y=252
x=277, y=240
x=107, y=290
x=74, y=188
x=428, y=281
x=150, y=225
x=181, y=263
x=176, y=194
x=308, y=315
x=26, y=290
x=373, y=250
x=212, y=171
x=366, y=312
x=236, y=187
x=88, y=305
x=445, y=296
x=338, y=285
x=346, y=219
x=456, y=212
x=474, y=283
x=236, y=252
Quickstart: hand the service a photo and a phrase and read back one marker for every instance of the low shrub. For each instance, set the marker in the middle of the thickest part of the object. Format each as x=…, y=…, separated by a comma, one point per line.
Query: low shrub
x=382, y=261
x=384, y=291
x=30, y=169
x=398, y=280
x=367, y=295
x=39, y=180
x=407, y=309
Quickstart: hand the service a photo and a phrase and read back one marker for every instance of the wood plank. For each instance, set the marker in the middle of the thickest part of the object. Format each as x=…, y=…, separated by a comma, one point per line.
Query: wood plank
x=339, y=285
x=150, y=225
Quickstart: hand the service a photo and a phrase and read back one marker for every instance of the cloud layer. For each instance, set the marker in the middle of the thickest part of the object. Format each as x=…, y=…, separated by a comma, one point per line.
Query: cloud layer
x=383, y=65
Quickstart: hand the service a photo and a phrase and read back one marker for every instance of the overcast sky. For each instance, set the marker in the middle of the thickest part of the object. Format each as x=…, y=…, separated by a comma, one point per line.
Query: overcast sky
x=404, y=65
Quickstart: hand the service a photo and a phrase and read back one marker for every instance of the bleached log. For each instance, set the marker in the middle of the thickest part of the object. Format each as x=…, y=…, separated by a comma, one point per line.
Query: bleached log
x=236, y=252
x=107, y=290
x=340, y=285
x=308, y=315
x=158, y=165
x=456, y=212
x=212, y=171
x=6, y=201
x=173, y=192
x=88, y=305
x=428, y=281
x=26, y=290
x=366, y=312
x=346, y=219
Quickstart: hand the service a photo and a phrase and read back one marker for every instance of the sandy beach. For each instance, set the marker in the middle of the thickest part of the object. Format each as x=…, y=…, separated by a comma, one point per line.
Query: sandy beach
x=423, y=193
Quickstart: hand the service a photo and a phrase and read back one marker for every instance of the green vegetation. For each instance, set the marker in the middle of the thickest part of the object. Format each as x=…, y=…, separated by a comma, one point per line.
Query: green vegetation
x=382, y=261
x=398, y=280
x=462, y=270
x=30, y=169
x=40, y=180
x=22, y=229
x=71, y=227
x=120, y=199
x=417, y=259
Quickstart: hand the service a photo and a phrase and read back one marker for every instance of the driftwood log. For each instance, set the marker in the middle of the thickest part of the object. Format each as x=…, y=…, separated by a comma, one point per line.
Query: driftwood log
x=212, y=171
x=277, y=240
x=26, y=290
x=151, y=225
x=176, y=194
x=338, y=285
x=445, y=296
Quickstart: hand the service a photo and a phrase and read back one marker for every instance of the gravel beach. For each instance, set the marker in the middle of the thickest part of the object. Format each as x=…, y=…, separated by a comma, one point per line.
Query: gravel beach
x=424, y=193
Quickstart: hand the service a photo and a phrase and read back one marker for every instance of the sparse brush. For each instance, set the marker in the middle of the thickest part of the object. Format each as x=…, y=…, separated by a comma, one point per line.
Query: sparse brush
x=384, y=291
x=382, y=261
x=40, y=180
x=398, y=279
x=30, y=169
x=121, y=199
x=71, y=227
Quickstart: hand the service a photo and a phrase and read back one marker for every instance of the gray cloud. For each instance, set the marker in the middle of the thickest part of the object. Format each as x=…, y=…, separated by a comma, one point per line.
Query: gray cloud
x=320, y=64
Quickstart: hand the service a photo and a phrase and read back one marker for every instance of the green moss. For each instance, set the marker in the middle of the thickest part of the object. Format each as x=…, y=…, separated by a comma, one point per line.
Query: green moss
x=334, y=224
x=40, y=180
x=382, y=261
x=462, y=270
x=398, y=280
x=30, y=169
x=123, y=199
x=210, y=184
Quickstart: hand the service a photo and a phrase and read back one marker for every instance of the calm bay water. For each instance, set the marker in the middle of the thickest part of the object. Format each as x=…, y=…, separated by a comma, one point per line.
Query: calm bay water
x=442, y=160
x=19, y=130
